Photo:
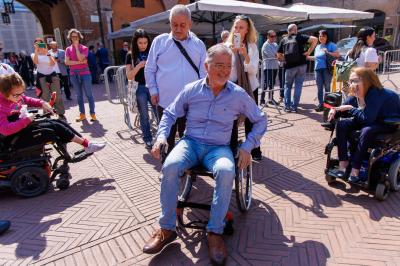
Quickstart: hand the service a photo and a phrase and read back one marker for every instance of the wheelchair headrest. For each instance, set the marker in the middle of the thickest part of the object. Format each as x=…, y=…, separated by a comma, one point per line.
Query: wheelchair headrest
x=333, y=99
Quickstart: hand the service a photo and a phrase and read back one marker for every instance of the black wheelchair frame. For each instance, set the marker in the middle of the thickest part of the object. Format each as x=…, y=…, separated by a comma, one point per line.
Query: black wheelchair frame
x=243, y=191
x=29, y=171
x=383, y=174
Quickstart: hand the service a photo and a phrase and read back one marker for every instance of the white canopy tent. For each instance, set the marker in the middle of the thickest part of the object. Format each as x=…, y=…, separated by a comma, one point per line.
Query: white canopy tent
x=211, y=16
x=330, y=13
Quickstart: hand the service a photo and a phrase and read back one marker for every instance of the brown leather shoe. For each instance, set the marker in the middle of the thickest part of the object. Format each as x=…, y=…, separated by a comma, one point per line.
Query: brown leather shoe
x=159, y=240
x=216, y=249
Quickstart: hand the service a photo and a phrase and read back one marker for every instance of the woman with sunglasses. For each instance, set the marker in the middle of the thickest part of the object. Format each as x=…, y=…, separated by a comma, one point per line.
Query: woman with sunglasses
x=47, y=76
x=76, y=57
x=366, y=110
x=243, y=42
x=326, y=48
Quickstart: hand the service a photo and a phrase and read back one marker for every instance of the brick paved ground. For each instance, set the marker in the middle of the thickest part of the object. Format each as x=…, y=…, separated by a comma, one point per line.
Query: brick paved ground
x=112, y=206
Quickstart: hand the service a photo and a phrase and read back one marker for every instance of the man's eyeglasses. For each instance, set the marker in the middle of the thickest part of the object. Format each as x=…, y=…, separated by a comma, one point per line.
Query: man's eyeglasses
x=17, y=95
x=220, y=67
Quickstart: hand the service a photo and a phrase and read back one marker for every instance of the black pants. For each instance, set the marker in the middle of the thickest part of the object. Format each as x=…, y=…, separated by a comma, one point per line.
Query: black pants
x=27, y=77
x=281, y=77
x=248, y=126
x=179, y=126
x=50, y=130
x=344, y=129
x=64, y=80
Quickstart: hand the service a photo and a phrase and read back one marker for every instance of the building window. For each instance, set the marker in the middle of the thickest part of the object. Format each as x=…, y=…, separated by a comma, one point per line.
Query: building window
x=137, y=3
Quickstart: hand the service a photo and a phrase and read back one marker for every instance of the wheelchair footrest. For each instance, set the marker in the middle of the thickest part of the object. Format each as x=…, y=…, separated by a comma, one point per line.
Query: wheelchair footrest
x=79, y=156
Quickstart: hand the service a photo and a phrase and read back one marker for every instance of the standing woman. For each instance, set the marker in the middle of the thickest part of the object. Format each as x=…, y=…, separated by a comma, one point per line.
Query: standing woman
x=245, y=64
x=76, y=58
x=363, y=52
x=46, y=74
x=135, y=62
x=323, y=76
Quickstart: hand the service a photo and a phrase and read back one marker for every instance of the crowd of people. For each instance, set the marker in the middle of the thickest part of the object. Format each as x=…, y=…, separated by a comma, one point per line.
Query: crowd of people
x=201, y=95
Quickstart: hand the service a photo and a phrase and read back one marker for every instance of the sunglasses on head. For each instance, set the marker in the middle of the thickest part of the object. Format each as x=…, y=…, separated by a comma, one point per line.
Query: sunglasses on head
x=243, y=17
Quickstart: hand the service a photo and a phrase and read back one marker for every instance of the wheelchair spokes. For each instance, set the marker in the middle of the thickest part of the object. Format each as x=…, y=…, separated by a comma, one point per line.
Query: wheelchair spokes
x=243, y=187
x=185, y=186
x=29, y=181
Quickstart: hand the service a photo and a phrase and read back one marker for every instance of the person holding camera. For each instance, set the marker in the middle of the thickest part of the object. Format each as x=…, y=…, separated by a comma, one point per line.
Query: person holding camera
x=47, y=76
x=135, y=62
x=243, y=42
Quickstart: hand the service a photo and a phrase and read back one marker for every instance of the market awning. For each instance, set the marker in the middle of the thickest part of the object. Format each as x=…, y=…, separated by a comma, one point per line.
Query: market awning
x=333, y=13
x=211, y=17
x=326, y=26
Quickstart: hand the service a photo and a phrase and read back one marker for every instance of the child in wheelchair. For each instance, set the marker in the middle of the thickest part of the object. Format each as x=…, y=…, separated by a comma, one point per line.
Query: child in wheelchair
x=369, y=113
x=24, y=135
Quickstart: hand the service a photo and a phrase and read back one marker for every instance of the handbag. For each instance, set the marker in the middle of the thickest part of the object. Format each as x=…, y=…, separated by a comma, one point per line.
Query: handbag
x=343, y=69
x=131, y=89
x=330, y=61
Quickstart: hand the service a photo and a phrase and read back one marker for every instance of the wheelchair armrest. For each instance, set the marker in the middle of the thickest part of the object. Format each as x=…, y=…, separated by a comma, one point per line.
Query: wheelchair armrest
x=33, y=111
x=392, y=121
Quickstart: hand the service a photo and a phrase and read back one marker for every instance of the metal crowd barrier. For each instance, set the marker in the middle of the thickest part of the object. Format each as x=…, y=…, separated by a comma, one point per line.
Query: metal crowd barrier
x=107, y=82
x=391, y=65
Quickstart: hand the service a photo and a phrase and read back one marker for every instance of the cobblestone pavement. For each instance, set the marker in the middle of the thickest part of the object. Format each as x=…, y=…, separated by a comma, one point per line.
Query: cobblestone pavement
x=113, y=204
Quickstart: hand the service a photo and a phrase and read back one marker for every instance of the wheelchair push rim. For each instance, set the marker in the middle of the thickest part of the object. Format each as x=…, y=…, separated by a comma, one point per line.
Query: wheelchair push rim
x=243, y=188
x=29, y=181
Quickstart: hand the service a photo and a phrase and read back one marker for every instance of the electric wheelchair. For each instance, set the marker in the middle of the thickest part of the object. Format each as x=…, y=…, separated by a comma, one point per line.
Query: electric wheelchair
x=243, y=190
x=28, y=171
x=381, y=164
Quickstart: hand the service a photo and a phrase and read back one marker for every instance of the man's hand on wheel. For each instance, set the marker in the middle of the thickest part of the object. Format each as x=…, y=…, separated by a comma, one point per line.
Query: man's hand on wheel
x=155, y=151
x=155, y=99
x=244, y=159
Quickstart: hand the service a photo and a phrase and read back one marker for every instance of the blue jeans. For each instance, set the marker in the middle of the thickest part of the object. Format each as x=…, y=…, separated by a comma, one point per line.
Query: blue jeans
x=143, y=100
x=83, y=83
x=323, y=79
x=186, y=154
x=294, y=75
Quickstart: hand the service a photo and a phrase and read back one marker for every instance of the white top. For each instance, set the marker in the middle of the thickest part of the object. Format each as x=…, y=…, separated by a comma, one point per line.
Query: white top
x=367, y=55
x=251, y=68
x=6, y=69
x=43, y=66
x=55, y=54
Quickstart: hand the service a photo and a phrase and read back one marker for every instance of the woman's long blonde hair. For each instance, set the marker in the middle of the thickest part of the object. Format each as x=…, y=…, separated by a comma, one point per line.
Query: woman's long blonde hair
x=251, y=35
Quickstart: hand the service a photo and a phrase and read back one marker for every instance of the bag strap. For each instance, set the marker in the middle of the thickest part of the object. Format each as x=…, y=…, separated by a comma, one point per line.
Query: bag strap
x=186, y=55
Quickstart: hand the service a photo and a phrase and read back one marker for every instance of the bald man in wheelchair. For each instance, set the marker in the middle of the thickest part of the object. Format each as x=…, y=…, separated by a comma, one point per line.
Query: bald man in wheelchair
x=211, y=105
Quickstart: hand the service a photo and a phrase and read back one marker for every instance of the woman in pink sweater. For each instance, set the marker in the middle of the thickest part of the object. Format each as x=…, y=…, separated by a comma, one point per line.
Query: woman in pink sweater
x=14, y=121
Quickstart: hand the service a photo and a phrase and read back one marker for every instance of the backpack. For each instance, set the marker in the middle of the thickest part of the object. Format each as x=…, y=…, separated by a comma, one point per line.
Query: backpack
x=291, y=50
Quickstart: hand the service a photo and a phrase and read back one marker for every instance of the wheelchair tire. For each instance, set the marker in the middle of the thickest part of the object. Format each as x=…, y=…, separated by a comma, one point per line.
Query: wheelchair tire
x=382, y=191
x=29, y=181
x=243, y=188
x=394, y=175
x=185, y=187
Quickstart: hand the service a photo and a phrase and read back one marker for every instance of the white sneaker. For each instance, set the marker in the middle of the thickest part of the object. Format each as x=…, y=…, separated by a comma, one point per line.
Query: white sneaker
x=94, y=146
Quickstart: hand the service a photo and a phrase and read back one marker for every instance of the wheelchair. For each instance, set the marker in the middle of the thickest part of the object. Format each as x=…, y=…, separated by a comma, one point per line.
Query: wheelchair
x=243, y=192
x=382, y=163
x=29, y=171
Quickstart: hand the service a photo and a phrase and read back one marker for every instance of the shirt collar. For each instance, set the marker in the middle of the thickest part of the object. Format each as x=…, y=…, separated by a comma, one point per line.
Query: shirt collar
x=228, y=85
x=188, y=38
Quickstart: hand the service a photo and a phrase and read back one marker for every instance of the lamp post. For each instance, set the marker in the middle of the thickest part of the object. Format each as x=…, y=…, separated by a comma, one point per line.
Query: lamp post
x=100, y=22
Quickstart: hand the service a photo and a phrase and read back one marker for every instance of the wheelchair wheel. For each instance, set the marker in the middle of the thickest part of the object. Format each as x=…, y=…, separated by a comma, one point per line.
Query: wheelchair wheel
x=185, y=187
x=30, y=181
x=63, y=182
x=243, y=188
x=382, y=191
x=330, y=179
x=394, y=175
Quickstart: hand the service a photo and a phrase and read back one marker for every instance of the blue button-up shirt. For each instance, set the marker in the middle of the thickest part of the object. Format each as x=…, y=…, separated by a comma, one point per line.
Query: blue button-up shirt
x=167, y=71
x=209, y=118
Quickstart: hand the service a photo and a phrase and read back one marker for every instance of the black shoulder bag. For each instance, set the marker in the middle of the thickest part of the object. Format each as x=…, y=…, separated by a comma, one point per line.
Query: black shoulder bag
x=186, y=55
